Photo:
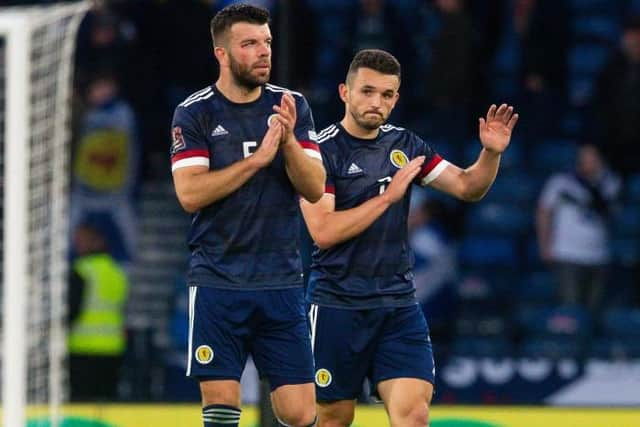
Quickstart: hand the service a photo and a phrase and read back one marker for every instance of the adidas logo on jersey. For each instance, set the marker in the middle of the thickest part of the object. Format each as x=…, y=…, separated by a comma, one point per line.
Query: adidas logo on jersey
x=219, y=130
x=353, y=169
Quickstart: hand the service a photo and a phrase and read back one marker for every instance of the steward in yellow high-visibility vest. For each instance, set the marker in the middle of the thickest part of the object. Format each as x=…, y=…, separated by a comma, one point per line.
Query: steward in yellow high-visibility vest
x=97, y=338
x=99, y=328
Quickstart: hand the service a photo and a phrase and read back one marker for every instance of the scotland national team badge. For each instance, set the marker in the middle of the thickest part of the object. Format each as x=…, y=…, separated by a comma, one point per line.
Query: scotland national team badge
x=204, y=354
x=270, y=119
x=398, y=159
x=178, y=141
x=323, y=378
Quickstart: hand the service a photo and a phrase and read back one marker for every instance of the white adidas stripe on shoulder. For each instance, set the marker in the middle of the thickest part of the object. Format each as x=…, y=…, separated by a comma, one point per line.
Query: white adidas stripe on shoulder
x=197, y=96
x=328, y=135
x=326, y=130
x=274, y=88
x=387, y=128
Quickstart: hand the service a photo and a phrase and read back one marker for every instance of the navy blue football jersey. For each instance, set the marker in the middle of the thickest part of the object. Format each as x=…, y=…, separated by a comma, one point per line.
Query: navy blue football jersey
x=247, y=240
x=373, y=269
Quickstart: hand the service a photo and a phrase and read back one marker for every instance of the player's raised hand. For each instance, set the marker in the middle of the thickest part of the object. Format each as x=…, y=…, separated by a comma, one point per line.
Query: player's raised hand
x=269, y=145
x=495, y=130
x=287, y=116
x=402, y=179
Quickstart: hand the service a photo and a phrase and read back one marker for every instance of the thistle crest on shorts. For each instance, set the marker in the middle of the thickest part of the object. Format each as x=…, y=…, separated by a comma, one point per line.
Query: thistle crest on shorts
x=323, y=377
x=204, y=354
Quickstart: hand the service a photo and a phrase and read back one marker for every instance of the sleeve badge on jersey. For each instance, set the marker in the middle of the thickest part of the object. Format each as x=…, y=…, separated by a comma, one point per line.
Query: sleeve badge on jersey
x=398, y=159
x=323, y=378
x=178, y=143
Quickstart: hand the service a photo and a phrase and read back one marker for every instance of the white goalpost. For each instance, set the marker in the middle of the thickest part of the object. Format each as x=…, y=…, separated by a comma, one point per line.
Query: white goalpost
x=36, y=63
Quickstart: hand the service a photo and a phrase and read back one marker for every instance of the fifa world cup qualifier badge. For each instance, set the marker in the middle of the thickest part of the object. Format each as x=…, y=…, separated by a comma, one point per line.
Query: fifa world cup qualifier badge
x=398, y=159
x=323, y=378
x=178, y=143
x=204, y=354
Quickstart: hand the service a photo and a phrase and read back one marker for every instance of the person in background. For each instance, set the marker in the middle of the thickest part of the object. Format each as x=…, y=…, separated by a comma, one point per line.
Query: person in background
x=105, y=165
x=572, y=223
x=96, y=299
x=616, y=104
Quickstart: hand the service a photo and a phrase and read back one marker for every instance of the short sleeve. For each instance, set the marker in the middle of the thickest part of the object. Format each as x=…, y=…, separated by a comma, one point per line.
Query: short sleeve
x=305, y=131
x=189, y=146
x=329, y=185
x=433, y=164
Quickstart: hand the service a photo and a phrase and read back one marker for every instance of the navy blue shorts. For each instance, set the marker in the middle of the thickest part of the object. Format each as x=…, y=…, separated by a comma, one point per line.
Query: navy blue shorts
x=378, y=344
x=225, y=326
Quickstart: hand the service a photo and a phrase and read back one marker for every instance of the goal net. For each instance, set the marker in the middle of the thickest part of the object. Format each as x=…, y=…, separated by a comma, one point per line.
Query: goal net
x=36, y=63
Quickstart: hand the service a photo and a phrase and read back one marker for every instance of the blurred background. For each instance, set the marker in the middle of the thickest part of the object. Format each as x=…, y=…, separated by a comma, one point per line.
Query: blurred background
x=532, y=295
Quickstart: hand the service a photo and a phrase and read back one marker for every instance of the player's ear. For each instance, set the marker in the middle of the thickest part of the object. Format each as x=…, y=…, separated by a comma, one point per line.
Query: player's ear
x=343, y=89
x=396, y=97
x=221, y=54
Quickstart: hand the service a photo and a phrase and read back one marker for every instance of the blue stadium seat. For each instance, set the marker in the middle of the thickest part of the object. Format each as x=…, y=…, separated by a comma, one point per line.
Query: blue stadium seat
x=507, y=58
x=532, y=256
x=495, y=347
x=614, y=348
x=553, y=155
x=513, y=158
x=568, y=321
x=573, y=122
x=581, y=88
x=607, y=7
x=537, y=288
x=489, y=251
x=552, y=347
x=514, y=188
x=627, y=222
x=481, y=325
x=499, y=219
x=596, y=28
x=323, y=6
x=633, y=188
x=626, y=251
x=620, y=335
x=588, y=58
x=622, y=323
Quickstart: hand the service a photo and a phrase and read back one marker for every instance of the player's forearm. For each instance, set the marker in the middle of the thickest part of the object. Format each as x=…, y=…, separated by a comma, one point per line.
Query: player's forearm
x=200, y=190
x=306, y=174
x=339, y=226
x=478, y=178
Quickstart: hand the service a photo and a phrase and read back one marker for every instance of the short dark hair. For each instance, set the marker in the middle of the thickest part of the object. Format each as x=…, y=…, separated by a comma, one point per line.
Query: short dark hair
x=375, y=59
x=239, y=12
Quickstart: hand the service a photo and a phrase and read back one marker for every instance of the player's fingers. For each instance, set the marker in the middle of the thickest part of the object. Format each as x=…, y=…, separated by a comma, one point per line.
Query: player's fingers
x=289, y=101
x=502, y=109
x=418, y=160
x=512, y=121
x=482, y=124
x=286, y=115
x=283, y=120
x=491, y=112
x=507, y=115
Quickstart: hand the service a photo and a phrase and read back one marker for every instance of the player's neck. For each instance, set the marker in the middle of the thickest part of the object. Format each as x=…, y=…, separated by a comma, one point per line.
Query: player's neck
x=236, y=93
x=357, y=131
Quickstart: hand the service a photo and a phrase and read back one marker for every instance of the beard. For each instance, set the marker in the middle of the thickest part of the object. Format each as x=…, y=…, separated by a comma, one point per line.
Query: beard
x=368, y=121
x=243, y=77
